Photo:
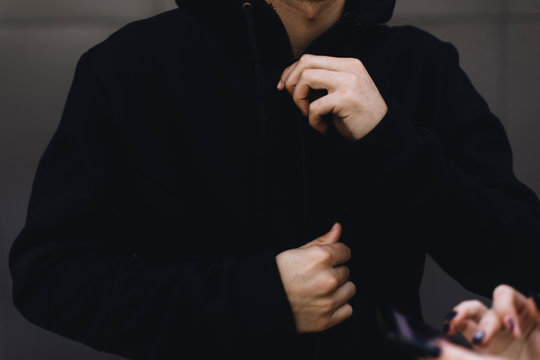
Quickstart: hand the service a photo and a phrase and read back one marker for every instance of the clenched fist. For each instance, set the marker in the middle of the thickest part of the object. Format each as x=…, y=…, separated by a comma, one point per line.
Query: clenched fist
x=316, y=282
x=353, y=99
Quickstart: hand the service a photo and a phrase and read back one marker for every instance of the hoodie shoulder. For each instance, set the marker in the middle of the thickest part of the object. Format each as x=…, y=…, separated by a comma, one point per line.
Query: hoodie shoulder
x=416, y=47
x=147, y=37
x=420, y=40
x=145, y=50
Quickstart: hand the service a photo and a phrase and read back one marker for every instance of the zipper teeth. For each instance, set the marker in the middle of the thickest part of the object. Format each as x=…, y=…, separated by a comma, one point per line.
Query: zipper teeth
x=317, y=347
x=291, y=52
x=331, y=28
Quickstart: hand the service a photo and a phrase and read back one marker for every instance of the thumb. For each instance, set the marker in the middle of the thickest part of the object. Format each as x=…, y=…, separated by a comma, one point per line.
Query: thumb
x=329, y=238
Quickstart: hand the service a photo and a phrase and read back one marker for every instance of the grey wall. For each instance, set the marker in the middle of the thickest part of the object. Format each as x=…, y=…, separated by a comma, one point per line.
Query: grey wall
x=40, y=42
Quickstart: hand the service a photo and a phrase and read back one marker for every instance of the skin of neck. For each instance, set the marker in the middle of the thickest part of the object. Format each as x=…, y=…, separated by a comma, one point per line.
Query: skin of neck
x=305, y=20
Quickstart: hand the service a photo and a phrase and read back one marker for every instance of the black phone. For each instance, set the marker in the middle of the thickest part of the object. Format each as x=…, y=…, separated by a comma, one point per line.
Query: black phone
x=412, y=336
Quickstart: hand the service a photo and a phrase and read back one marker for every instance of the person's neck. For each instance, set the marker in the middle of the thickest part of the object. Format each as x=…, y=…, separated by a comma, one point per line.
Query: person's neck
x=305, y=20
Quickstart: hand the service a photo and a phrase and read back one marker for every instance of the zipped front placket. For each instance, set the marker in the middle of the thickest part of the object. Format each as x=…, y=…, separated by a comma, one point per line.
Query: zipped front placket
x=343, y=16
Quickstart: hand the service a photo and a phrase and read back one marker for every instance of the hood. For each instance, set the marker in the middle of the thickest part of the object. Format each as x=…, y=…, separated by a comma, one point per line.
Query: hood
x=368, y=11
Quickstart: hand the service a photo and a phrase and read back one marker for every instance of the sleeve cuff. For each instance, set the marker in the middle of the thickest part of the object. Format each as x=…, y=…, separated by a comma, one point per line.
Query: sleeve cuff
x=263, y=303
x=388, y=146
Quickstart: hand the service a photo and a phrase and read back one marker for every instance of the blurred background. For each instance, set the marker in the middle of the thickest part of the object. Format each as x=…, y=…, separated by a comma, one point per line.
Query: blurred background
x=41, y=41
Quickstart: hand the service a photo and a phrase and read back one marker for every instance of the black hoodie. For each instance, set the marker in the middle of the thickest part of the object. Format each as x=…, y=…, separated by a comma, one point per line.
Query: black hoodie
x=178, y=172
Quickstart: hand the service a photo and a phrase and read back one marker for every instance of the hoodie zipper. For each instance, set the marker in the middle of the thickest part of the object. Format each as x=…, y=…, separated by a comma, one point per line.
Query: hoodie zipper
x=289, y=43
x=342, y=18
x=317, y=337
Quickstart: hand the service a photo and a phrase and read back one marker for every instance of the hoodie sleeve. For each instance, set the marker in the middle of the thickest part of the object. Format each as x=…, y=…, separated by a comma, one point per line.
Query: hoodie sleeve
x=75, y=273
x=450, y=185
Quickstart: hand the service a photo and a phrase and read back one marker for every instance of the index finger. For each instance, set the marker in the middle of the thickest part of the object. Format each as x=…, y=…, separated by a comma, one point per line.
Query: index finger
x=469, y=310
x=285, y=75
x=490, y=324
x=508, y=303
x=290, y=75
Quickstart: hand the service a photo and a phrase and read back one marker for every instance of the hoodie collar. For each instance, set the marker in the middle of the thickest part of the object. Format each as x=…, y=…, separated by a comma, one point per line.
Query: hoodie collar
x=366, y=11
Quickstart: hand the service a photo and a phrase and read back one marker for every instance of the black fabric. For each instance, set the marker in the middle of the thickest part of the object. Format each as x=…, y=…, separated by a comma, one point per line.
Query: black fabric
x=143, y=238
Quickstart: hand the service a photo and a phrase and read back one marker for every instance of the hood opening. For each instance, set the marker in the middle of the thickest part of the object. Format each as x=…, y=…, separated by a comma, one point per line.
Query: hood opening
x=368, y=11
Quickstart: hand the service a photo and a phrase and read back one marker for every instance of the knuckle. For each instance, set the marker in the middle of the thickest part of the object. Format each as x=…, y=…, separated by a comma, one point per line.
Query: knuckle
x=356, y=63
x=329, y=283
x=349, y=94
x=289, y=85
x=502, y=290
x=321, y=253
x=488, y=317
x=305, y=58
x=358, y=78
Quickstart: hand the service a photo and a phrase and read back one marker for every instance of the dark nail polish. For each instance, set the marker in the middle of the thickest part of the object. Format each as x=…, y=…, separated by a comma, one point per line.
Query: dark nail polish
x=433, y=351
x=511, y=324
x=446, y=328
x=478, y=338
x=452, y=314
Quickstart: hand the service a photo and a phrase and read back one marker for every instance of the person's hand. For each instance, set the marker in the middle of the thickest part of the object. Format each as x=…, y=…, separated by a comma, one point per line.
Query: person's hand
x=316, y=282
x=510, y=329
x=353, y=98
x=450, y=351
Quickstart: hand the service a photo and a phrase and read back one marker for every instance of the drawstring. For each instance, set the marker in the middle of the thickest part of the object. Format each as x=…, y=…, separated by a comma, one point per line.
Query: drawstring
x=248, y=11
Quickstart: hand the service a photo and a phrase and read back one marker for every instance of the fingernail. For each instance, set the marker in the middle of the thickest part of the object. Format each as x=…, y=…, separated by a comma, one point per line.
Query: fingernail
x=446, y=328
x=452, y=314
x=334, y=228
x=478, y=338
x=280, y=84
x=510, y=323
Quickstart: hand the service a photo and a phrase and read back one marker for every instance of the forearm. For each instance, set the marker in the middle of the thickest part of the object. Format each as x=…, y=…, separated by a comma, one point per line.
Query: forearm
x=119, y=304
